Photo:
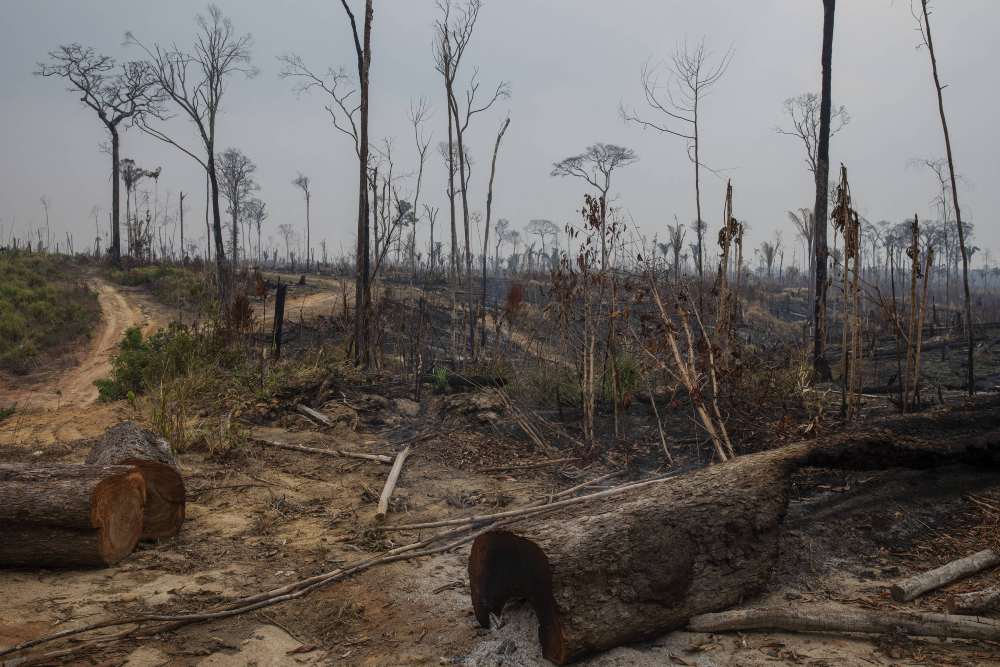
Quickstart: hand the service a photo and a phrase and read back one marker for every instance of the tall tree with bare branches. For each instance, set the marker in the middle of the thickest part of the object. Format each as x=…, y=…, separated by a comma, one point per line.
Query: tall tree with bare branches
x=116, y=94
x=195, y=81
x=454, y=32
x=804, y=113
x=678, y=103
x=928, y=41
x=302, y=182
x=350, y=116
x=235, y=176
x=595, y=166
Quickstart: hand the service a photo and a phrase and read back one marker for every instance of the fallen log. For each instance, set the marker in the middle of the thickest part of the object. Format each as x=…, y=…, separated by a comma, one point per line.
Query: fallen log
x=314, y=415
x=380, y=458
x=61, y=515
x=128, y=443
x=976, y=602
x=624, y=572
x=838, y=618
x=390, y=484
x=919, y=584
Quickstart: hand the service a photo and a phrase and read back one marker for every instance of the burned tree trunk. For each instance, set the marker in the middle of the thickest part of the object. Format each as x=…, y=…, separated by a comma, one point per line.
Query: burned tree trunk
x=602, y=575
x=633, y=570
x=128, y=443
x=60, y=515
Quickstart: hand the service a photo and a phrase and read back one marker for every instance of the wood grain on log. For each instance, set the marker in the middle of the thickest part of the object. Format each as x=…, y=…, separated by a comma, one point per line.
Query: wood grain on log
x=128, y=443
x=63, y=515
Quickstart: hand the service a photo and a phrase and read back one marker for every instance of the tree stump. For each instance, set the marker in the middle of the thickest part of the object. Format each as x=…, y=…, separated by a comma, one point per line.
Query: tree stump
x=605, y=575
x=128, y=443
x=60, y=515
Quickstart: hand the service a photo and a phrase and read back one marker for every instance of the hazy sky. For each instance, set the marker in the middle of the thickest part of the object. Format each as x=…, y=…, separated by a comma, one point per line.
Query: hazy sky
x=569, y=63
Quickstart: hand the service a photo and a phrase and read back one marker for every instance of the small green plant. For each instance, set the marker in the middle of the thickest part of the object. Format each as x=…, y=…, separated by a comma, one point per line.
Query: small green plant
x=440, y=380
x=8, y=411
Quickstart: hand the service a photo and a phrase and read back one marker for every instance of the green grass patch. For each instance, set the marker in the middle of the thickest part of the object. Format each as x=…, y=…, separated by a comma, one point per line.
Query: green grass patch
x=176, y=286
x=44, y=308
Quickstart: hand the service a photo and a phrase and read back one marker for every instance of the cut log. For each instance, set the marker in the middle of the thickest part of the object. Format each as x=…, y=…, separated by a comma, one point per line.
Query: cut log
x=390, y=484
x=128, y=443
x=976, y=602
x=919, y=584
x=605, y=575
x=838, y=618
x=61, y=515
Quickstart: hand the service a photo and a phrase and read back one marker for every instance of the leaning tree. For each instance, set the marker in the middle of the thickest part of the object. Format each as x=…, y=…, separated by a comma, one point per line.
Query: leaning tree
x=116, y=94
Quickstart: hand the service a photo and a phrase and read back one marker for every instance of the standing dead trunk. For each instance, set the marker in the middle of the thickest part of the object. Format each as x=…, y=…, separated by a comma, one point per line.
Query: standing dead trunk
x=954, y=197
x=821, y=366
x=489, y=214
x=116, y=243
x=61, y=515
x=220, y=251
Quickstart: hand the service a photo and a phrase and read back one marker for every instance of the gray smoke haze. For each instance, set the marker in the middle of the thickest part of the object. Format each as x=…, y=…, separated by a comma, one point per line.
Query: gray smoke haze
x=570, y=63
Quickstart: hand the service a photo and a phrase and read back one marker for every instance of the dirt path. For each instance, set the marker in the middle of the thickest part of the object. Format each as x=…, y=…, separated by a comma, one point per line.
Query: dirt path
x=60, y=403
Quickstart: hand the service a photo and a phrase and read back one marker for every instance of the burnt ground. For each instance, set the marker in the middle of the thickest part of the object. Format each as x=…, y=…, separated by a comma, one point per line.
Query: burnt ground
x=260, y=517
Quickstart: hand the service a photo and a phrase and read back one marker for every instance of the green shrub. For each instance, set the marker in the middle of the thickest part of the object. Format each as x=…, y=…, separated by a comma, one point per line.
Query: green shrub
x=43, y=308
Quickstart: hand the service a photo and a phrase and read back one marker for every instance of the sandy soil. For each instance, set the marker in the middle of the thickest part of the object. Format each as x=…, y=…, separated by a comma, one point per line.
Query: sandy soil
x=59, y=404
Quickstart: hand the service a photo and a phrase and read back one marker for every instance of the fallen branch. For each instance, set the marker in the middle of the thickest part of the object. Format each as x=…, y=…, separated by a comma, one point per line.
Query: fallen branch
x=976, y=602
x=839, y=618
x=534, y=508
x=529, y=466
x=314, y=415
x=919, y=584
x=381, y=458
x=390, y=484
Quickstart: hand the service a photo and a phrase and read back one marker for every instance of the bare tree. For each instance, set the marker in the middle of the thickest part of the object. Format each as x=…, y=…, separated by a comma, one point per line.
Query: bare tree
x=678, y=103
x=453, y=34
x=595, y=166
x=489, y=214
x=116, y=94
x=805, y=227
x=804, y=112
x=255, y=213
x=302, y=182
x=287, y=233
x=419, y=114
x=820, y=364
x=235, y=175
x=676, y=245
x=928, y=41
x=195, y=81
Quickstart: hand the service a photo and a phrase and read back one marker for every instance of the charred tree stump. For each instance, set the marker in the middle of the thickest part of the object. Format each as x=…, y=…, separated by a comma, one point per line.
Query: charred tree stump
x=128, y=443
x=62, y=515
x=608, y=575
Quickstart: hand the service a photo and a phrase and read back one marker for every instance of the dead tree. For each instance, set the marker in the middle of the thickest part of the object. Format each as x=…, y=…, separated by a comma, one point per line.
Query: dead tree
x=116, y=96
x=418, y=116
x=821, y=367
x=804, y=113
x=489, y=214
x=235, y=176
x=595, y=166
x=928, y=41
x=679, y=104
x=302, y=182
x=453, y=37
x=351, y=118
x=195, y=81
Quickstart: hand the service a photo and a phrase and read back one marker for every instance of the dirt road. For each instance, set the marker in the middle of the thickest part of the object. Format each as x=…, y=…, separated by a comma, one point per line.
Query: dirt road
x=60, y=403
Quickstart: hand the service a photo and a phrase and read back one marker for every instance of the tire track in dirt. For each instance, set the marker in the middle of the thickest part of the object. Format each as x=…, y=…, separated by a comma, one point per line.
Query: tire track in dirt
x=61, y=405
